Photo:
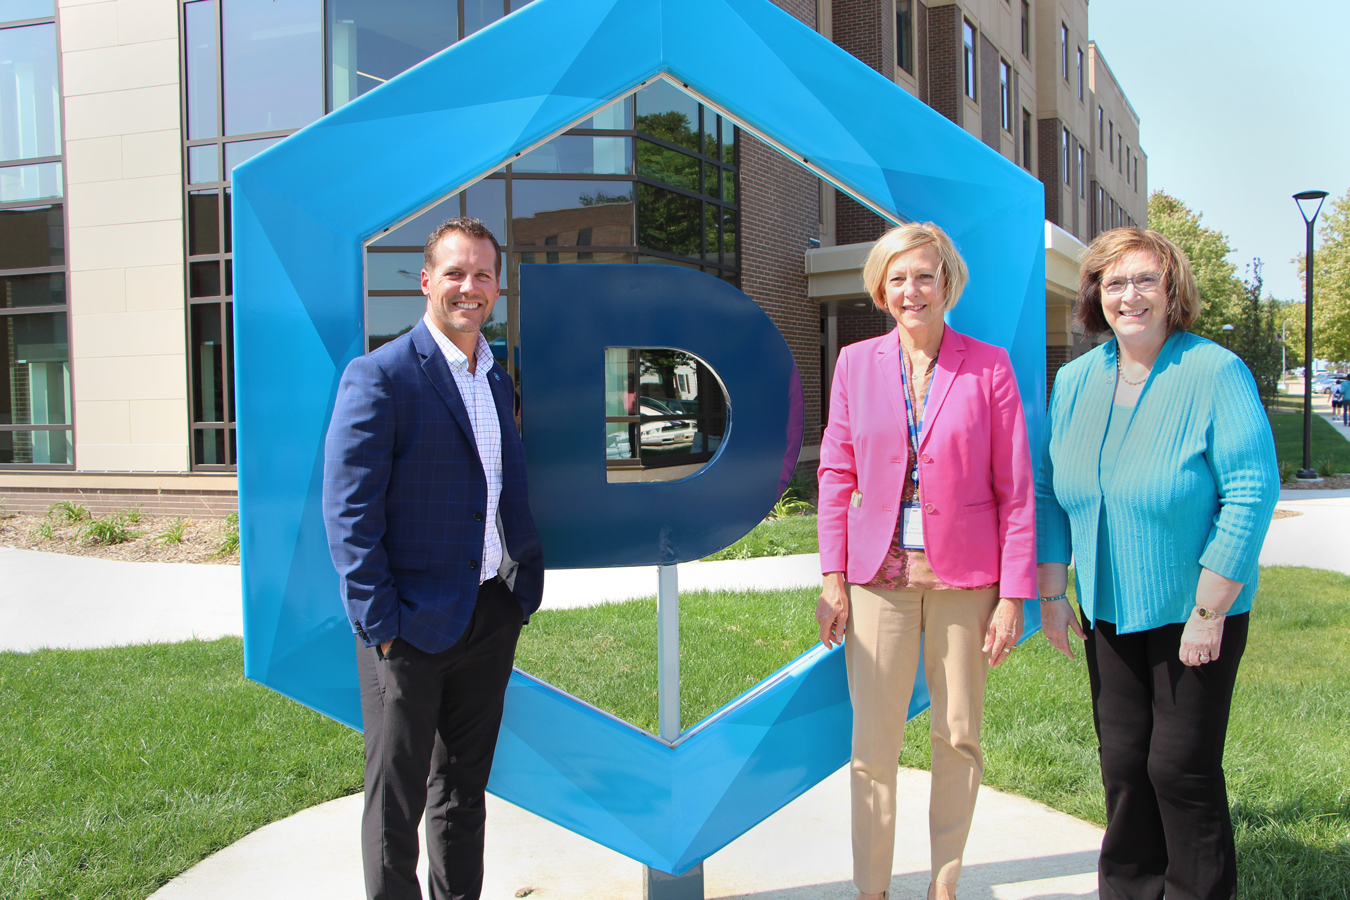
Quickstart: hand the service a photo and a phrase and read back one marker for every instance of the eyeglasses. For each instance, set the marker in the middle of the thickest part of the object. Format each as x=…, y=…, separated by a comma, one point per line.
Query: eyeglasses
x=1144, y=283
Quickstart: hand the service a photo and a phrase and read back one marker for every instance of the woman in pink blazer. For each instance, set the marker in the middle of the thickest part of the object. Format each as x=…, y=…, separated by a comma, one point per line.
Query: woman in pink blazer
x=927, y=539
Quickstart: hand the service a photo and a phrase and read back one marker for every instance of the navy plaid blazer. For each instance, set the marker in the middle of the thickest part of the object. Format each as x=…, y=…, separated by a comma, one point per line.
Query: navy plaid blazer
x=404, y=497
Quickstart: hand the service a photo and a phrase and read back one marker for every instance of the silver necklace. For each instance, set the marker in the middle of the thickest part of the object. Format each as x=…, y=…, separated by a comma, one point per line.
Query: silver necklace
x=1121, y=375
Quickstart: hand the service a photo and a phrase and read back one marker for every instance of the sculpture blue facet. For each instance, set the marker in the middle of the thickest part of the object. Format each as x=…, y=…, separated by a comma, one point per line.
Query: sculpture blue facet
x=301, y=213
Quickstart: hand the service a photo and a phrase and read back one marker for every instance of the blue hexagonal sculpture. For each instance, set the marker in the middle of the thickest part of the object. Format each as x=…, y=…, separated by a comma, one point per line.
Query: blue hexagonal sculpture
x=304, y=208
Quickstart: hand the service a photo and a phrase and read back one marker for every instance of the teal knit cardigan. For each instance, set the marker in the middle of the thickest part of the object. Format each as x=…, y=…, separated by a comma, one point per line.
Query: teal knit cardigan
x=1195, y=484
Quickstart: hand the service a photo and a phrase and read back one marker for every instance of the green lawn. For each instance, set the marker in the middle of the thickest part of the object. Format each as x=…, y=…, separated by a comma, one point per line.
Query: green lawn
x=121, y=768
x=774, y=537
x=1327, y=443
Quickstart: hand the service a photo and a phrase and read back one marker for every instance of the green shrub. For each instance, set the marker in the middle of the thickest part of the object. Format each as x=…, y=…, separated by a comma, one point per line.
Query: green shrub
x=69, y=511
x=175, y=534
x=108, y=530
x=230, y=541
x=1287, y=470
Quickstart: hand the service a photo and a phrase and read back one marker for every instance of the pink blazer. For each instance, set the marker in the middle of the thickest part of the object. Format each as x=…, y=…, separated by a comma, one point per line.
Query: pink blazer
x=979, y=517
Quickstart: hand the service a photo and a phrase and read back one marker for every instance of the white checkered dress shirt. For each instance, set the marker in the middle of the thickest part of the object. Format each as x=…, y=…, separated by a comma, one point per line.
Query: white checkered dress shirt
x=487, y=434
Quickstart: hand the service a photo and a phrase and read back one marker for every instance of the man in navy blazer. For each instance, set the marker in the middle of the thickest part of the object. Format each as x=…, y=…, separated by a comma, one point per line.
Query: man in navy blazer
x=424, y=500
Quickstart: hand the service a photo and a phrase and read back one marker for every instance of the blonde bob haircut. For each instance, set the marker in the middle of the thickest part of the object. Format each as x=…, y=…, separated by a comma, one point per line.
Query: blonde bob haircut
x=952, y=274
x=1110, y=247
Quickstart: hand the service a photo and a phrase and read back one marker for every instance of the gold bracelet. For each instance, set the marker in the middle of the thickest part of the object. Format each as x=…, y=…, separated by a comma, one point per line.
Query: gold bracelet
x=1209, y=614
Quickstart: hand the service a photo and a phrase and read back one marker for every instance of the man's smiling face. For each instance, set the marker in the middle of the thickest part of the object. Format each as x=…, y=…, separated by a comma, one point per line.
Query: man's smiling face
x=462, y=288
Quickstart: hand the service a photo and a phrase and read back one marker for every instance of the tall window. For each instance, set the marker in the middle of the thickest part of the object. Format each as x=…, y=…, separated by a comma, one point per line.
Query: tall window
x=1101, y=121
x=650, y=179
x=968, y=56
x=904, y=35
x=1064, y=157
x=1120, y=152
x=1005, y=94
x=254, y=71
x=1082, y=172
x=1111, y=141
x=35, y=398
x=1026, y=28
x=1026, y=139
x=1136, y=174
x=1064, y=51
x=1080, y=74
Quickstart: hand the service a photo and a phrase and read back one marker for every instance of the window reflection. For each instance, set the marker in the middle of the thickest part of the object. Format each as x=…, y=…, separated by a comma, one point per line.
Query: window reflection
x=668, y=221
x=273, y=64
x=479, y=14
x=34, y=387
x=579, y=155
x=32, y=290
x=208, y=362
x=18, y=10
x=40, y=182
x=561, y=210
x=371, y=41
x=666, y=112
x=32, y=237
x=664, y=164
x=30, y=114
x=204, y=164
x=202, y=46
x=203, y=223
x=665, y=414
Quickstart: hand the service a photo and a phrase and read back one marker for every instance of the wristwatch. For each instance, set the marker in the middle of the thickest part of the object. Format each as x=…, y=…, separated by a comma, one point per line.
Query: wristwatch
x=1208, y=613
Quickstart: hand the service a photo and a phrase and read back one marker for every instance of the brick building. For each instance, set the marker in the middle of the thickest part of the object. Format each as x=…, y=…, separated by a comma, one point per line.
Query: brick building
x=122, y=120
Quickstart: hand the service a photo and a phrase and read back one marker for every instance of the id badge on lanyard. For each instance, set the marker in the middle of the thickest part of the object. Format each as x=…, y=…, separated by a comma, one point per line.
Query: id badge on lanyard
x=911, y=514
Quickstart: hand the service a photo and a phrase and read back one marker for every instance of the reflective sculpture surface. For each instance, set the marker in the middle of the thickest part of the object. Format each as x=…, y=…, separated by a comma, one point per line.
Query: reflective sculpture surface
x=303, y=210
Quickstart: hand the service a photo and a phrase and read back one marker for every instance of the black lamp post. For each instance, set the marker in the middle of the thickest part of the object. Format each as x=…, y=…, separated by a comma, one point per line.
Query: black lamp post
x=1227, y=333
x=1301, y=198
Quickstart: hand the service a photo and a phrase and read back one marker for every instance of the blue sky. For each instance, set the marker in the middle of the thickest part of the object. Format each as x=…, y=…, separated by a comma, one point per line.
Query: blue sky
x=1241, y=105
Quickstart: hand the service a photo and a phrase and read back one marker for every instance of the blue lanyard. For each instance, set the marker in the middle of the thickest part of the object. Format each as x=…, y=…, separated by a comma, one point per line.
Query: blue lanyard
x=914, y=425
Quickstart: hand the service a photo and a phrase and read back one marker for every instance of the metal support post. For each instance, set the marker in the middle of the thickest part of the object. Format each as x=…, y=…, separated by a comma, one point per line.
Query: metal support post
x=668, y=652
x=658, y=885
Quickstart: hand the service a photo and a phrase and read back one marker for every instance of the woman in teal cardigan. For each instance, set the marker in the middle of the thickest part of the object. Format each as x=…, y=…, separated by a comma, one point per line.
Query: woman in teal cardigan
x=1159, y=480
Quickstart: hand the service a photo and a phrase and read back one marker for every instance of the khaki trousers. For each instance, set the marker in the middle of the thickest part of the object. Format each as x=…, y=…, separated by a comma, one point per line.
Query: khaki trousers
x=886, y=630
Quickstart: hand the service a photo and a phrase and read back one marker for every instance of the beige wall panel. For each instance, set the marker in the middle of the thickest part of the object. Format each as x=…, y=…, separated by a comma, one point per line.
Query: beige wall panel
x=138, y=244
x=122, y=112
x=152, y=153
x=125, y=201
x=131, y=457
x=156, y=287
x=94, y=159
x=67, y=4
x=159, y=421
x=103, y=421
x=120, y=68
x=128, y=334
x=98, y=291
x=126, y=378
x=146, y=20
x=87, y=27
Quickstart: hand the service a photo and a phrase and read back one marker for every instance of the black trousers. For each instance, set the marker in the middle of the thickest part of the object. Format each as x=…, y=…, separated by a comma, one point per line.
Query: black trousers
x=1160, y=732
x=431, y=723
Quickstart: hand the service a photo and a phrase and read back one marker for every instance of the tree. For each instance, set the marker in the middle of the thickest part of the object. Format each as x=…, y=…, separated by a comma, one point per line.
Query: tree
x=1331, y=287
x=1208, y=251
x=1255, y=336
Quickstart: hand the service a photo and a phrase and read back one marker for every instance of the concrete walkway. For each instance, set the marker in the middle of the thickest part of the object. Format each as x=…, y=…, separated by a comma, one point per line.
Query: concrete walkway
x=1017, y=849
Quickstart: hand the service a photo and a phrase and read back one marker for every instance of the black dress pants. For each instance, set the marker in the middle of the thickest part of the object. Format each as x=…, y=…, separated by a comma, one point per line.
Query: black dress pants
x=431, y=723
x=1160, y=732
